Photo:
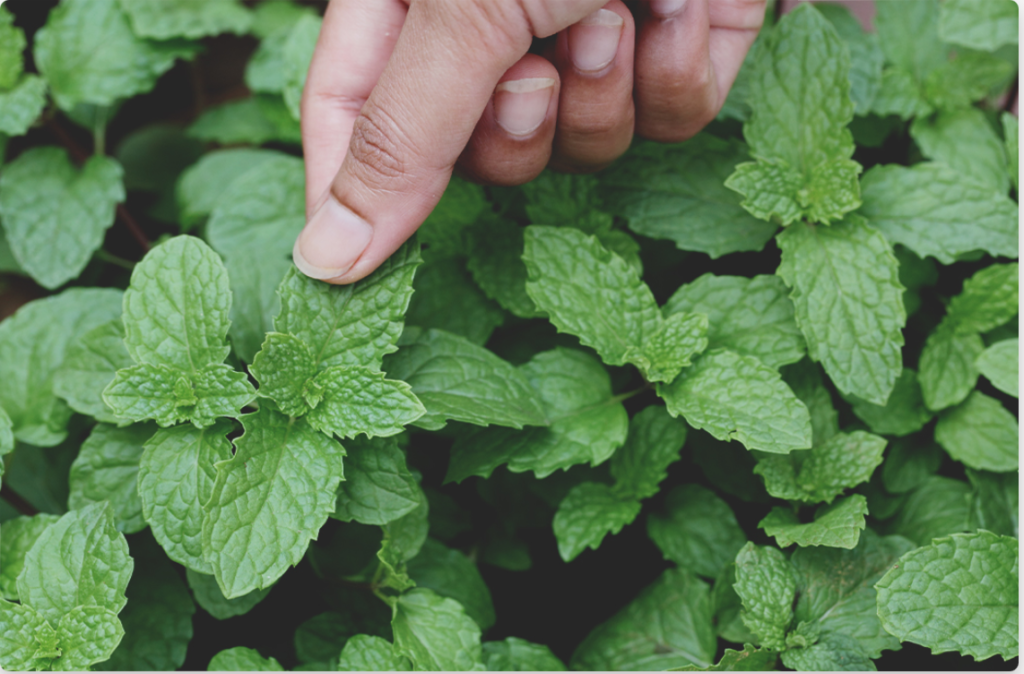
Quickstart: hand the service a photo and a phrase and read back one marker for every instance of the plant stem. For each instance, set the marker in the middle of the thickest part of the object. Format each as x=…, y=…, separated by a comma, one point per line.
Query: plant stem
x=99, y=134
x=114, y=259
x=20, y=504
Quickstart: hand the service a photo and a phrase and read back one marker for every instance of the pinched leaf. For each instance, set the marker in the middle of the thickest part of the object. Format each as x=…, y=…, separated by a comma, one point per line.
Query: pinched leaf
x=434, y=632
x=932, y=210
x=938, y=507
x=981, y=433
x=16, y=538
x=668, y=625
x=736, y=397
x=588, y=512
x=947, y=366
x=241, y=659
x=994, y=503
x=269, y=501
x=27, y=641
x=978, y=24
x=849, y=303
x=79, y=560
x=904, y=413
x=166, y=19
x=285, y=368
x=965, y=142
x=450, y=573
x=766, y=584
x=88, y=634
x=378, y=487
x=698, y=532
x=365, y=653
x=55, y=216
x=22, y=105
x=989, y=299
x=668, y=351
x=654, y=441
x=957, y=594
x=353, y=400
x=844, y=460
x=89, y=367
x=836, y=526
x=176, y=477
x=518, y=655
x=1000, y=365
x=107, y=469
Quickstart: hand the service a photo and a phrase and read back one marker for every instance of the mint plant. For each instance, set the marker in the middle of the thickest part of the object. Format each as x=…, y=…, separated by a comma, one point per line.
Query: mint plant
x=742, y=402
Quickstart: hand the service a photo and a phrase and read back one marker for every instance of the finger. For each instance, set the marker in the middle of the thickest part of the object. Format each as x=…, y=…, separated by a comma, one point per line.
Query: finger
x=512, y=142
x=355, y=43
x=595, y=108
x=687, y=57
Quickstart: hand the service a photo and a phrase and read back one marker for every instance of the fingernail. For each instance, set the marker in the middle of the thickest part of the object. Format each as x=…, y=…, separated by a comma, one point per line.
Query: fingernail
x=520, y=106
x=594, y=41
x=667, y=8
x=332, y=241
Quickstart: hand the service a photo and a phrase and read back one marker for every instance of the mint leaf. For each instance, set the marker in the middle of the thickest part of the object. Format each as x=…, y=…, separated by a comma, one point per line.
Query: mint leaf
x=989, y=299
x=999, y=364
x=751, y=316
x=107, y=469
x=653, y=443
x=256, y=302
x=899, y=94
x=462, y=204
x=698, y=531
x=947, y=366
x=908, y=33
x=770, y=189
x=866, y=57
x=209, y=596
x=16, y=538
x=834, y=652
x=392, y=572
x=932, y=210
x=435, y=632
x=937, y=508
x=994, y=502
x=88, y=634
x=201, y=186
x=28, y=641
x=22, y=105
x=39, y=334
x=981, y=433
x=836, y=526
x=809, y=386
x=849, y=303
x=588, y=512
x=365, y=653
x=322, y=637
x=668, y=625
x=408, y=533
x=1011, y=138
x=495, y=259
x=12, y=63
x=176, y=477
x=298, y=52
x=517, y=655
x=378, y=487
x=285, y=369
x=89, y=366
x=844, y=460
x=659, y=188
x=456, y=379
x=978, y=25
x=55, y=216
x=957, y=84
x=668, y=351
x=904, y=413
x=957, y=594
x=359, y=400
x=451, y=574
x=446, y=298
x=256, y=120
x=79, y=560
x=241, y=659
x=750, y=659
x=766, y=584
x=965, y=142
x=909, y=464
x=6, y=434
x=166, y=19
x=290, y=474
x=736, y=397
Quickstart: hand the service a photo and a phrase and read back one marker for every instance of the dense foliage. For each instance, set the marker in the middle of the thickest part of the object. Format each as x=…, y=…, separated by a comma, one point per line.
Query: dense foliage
x=801, y=416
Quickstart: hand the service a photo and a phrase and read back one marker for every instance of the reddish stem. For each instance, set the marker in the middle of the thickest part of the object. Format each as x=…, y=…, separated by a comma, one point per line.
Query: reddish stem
x=19, y=504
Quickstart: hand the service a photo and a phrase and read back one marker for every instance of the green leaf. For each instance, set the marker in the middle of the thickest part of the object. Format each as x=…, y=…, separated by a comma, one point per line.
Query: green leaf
x=981, y=433
x=750, y=659
x=365, y=653
x=999, y=364
x=210, y=597
x=176, y=477
x=899, y=95
x=809, y=386
x=88, y=634
x=392, y=572
x=256, y=120
x=166, y=19
x=322, y=637
x=947, y=366
x=256, y=302
x=836, y=526
x=989, y=299
x=957, y=594
x=1011, y=138
x=736, y=397
x=456, y=379
x=995, y=502
x=654, y=442
x=12, y=44
x=517, y=655
x=965, y=142
x=269, y=500
x=241, y=659
x=89, y=366
x=770, y=190
x=844, y=460
x=107, y=469
x=909, y=464
x=446, y=298
x=866, y=57
x=766, y=584
x=16, y=538
x=79, y=560
x=153, y=157
x=352, y=325
x=587, y=514
x=33, y=343
x=298, y=52
x=698, y=531
x=957, y=84
x=6, y=435
x=201, y=187
x=451, y=574
x=359, y=400
x=587, y=423
x=88, y=54
x=908, y=33
x=903, y=414
x=22, y=105
x=28, y=641
x=676, y=192
x=409, y=532
x=932, y=210
x=834, y=652
x=434, y=632
x=495, y=259
x=849, y=303
x=668, y=625
x=751, y=316
x=378, y=487
x=284, y=368
x=668, y=351
x=978, y=24
x=55, y=216
x=937, y=508
x=462, y=204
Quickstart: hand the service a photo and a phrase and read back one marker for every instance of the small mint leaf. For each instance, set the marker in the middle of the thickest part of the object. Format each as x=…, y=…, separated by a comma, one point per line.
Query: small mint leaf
x=681, y=337
x=947, y=366
x=28, y=642
x=519, y=655
x=241, y=659
x=365, y=653
x=589, y=512
x=435, y=632
x=766, y=584
x=999, y=364
x=654, y=442
x=837, y=526
x=167, y=19
x=980, y=433
x=353, y=400
x=88, y=634
x=284, y=368
x=698, y=531
x=378, y=486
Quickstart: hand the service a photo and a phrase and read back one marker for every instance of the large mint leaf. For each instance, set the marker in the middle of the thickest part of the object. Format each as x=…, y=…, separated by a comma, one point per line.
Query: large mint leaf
x=836, y=526
x=434, y=632
x=766, y=584
x=677, y=192
x=654, y=442
x=355, y=324
x=736, y=397
x=33, y=343
x=989, y=299
x=932, y=210
x=904, y=413
x=994, y=504
x=176, y=477
x=55, y=216
x=849, y=303
x=88, y=634
x=979, y=24
x=359, y=400
x=751, y=316
x=965, y=142
x=210, y=597
x=451, y=574
x=698, y=531
x=365, y=653
x=241, y=659
x=999, y=363
x=88, y=54
x=378, y=487
x=518, y=655
x=956, y=594
x=201, y=187
x=938, y=507
x=79, y=560
x=253, y=121
x=107, y=469
x=269, y=501
x=495, y=259
x=947, y=366
x=981, y=433
x=588, y=512
x=668, y=625
x=89, y=366
x=16, y=538
x=22, y=105
x=27, y=642
x=166, y=19
x=447, y=298
x=456, y=379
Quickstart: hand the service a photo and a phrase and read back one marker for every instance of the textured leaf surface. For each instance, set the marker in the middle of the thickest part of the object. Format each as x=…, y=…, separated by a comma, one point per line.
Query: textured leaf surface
x=446, y=298
x=365, y=653
x=434, y=632
x=201, y=186
x=22, y=105
x=359, y=400
x=947, y=366
x=166, y=19
x=451, y=574
x=836, y=526
x=978, y=24
x=1011, y=136
x=904, y=413
x=256, y=302
x=766, y=584
x=27, y=641
x=956, y=594
x=495, y=259
x=16, y=538
x=518, y=655
x=866, y=56
x=698, y=531
x=284, y=368
x=965, y=142
x=981, y=433
x=989, y=299
x=849, y=303
x=999, y=364
x=653, y=443
x=834, y=652
x=587, y=514
x=844, y=460
x=107, y=469
x=682, y=337
x=378, y=487
x=89, y=366
x=88, y=634
x=995, y=502
x=937, y=508
x=209, y=596
x=241, y=659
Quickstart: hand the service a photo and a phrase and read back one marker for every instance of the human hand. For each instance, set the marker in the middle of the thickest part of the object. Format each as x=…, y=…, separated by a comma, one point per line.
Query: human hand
x=401, y=91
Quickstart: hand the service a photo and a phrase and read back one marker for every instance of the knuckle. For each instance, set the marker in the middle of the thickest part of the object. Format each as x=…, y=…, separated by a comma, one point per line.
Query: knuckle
x=376, y=145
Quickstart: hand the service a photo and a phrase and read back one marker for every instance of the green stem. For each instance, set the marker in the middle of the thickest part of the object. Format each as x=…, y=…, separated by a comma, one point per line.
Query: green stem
x=115, y=260
x=99, y=132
